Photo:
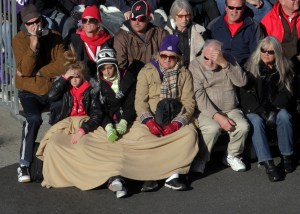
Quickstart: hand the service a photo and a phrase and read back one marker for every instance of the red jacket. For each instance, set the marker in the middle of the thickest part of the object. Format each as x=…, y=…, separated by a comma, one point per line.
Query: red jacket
x=273, y=24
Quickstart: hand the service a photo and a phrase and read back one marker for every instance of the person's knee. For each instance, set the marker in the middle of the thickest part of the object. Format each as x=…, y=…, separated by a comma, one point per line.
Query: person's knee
x=34, y=119
x=283, y=116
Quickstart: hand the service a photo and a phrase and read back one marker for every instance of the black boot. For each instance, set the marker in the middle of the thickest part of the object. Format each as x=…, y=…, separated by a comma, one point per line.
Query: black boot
x=271, y=170
x=288, y=163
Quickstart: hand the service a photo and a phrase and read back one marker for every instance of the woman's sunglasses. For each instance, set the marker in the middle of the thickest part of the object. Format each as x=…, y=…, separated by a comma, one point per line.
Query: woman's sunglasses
x=171, y=57
x=34, y=22
x=266, y=51
x=90, y=20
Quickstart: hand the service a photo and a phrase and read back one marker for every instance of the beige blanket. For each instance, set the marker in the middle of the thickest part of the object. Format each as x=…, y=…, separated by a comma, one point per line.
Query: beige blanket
x=93, y=160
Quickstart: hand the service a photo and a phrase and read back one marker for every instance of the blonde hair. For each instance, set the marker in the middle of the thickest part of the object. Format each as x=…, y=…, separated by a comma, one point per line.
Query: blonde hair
x=72, y=62
x=282, y=64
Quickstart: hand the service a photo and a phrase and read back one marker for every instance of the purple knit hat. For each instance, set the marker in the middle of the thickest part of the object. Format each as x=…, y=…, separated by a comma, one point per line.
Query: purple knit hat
x=170, y=43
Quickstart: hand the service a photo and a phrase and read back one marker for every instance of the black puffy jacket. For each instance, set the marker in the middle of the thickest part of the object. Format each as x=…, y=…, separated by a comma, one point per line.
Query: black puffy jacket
x=60, y=94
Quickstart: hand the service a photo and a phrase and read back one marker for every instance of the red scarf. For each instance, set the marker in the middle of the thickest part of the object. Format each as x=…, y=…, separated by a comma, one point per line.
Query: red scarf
x=93, y=42
x=233, y=28
x=77, y=93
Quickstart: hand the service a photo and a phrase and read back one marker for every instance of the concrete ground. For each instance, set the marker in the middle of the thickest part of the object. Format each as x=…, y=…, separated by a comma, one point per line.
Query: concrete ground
x=219, y=190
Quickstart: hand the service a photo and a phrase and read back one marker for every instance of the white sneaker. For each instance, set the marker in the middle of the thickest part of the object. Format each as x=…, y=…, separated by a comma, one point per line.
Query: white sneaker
x=121, y=193
x=235, y=162
x=115, y=185
x=23, y=174
x=198, y=165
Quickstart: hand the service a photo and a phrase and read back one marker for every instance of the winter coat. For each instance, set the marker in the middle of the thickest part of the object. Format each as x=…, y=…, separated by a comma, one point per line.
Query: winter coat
x=196, y=36
x=61, y=91
x=149, y=87
x=215, y=90
x=262, y=94
x=133, y=52
x=122, y=108
x=243, y=43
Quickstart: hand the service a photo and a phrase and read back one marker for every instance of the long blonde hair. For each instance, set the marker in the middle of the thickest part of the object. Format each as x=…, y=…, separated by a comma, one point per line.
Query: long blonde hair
x=282, y=64
x=72, y=62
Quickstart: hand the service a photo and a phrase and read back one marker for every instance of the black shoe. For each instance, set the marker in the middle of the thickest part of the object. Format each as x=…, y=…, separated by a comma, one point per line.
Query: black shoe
x=23, y=174
x=288, y=164
x=271, y=170
x=149, y=186
x=176, y=184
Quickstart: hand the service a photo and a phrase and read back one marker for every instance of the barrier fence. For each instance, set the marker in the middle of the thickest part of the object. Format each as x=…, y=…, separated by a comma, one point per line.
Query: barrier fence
x=8, y=20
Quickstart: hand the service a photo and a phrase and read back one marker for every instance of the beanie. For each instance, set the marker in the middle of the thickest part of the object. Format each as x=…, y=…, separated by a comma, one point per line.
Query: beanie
x=170, y=43
x=92, y=11
x=28, y=12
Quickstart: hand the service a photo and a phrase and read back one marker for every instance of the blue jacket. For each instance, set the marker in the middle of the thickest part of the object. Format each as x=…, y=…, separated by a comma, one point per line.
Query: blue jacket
x=243, y=43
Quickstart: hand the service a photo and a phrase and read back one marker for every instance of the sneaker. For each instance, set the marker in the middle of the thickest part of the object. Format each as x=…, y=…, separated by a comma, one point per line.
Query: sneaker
x=235, y=162
x=23, y=174
x=176, y=184
x=115, y=185
x=198, y=165
x=149, y=186
x=121, y=193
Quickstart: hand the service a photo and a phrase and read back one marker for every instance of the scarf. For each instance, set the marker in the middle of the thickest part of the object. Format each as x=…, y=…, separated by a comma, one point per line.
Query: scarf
x=77, y=93
x=168, y=88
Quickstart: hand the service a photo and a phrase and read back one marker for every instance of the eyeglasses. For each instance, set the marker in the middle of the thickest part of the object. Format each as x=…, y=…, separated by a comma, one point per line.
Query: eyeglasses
x=140, y=18
x=270, y=52
x=90, y=20
x=171, y=57
x=237, y=8
x=34, y=22
x=187, y=16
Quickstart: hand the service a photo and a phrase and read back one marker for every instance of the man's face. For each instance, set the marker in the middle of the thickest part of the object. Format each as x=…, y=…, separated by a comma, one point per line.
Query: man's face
x=235, y=10
x=290, y=5
x=206, y=55
x=139, y=25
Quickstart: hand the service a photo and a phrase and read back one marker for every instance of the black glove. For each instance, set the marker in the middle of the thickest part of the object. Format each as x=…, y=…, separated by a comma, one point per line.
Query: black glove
x=271, y=120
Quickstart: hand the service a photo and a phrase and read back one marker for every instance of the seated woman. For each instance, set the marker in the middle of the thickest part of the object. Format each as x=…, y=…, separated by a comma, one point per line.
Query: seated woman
x=163, y=78
x=190, y=34
x=266, y=100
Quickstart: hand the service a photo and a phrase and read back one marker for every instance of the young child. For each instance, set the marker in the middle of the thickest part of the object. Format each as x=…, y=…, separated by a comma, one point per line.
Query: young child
x=71, y=95
x=117, y=93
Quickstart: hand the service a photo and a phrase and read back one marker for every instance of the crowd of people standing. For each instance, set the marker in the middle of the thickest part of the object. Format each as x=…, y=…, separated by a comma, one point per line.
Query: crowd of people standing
x=147, y=96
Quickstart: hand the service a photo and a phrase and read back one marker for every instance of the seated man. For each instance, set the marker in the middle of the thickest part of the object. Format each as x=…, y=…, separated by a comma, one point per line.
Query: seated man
x=214, y=80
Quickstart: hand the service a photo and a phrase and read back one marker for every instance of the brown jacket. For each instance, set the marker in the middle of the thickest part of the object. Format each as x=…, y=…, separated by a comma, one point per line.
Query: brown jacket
x=132, y=52
x=48, y=61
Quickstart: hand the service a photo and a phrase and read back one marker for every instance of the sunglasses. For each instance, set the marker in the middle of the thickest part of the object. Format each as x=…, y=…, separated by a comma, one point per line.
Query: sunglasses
x=171, y=57
x=266, y=51
x=90, y=20
x=232, y=7
x=34, y=22
x=184, y=16
x=140, y=18
x=205, y=58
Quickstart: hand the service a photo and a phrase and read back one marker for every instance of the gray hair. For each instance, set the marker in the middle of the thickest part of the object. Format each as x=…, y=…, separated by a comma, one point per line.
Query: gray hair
x=210, y=42
x=282, y=64
x=243, y=1
x=179, y=5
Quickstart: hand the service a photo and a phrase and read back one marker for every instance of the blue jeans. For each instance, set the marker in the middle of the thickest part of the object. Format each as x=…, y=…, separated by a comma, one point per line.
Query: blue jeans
x=259, y=137
x=33, y=106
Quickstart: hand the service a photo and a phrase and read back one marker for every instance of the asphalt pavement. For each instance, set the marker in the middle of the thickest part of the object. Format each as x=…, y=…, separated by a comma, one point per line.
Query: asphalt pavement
x=219, y=190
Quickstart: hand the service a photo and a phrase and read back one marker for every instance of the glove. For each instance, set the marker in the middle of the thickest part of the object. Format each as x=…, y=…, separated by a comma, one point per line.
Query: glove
x=172, y=127
x=111, y=133
x=154, y=128
x=271, y=120
x=122, y=126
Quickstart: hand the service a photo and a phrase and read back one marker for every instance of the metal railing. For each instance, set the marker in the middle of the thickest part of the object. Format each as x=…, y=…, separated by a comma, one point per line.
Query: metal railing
x=8, y=20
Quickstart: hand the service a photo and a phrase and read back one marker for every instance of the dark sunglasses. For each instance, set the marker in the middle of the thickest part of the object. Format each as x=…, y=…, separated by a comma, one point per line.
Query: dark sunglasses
x=171, y=57
x=90, y=20
x=140, y=18
x=185, y=16
x=232, y=7
x=34, y=22
x=266, y=51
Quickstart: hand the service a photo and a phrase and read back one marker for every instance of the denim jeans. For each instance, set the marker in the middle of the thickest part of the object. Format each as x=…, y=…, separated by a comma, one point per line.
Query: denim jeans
x=33, y=106
x=259, y=137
